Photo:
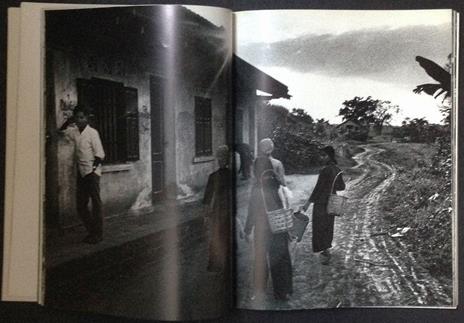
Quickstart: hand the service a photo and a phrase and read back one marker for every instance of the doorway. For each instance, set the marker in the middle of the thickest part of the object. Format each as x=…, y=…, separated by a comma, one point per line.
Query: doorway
x=157, y=94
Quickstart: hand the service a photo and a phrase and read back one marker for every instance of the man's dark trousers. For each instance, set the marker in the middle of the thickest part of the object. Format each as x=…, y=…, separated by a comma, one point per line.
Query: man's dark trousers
x=88, y=188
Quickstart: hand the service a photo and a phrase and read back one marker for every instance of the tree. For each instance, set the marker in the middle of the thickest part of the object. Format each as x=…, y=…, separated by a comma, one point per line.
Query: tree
x=271, y=117
x=443, y=76
x=449, y=63
x=302, y=115
x=383, y=114
x=321, y=128
x=359, y=109
x=368, y=111
x=439, y=74
x=420, y=130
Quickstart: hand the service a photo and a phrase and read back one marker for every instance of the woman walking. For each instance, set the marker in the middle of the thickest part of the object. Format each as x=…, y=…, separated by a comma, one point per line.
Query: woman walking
x=269, y=248
x=218, y=194
x=323, y=223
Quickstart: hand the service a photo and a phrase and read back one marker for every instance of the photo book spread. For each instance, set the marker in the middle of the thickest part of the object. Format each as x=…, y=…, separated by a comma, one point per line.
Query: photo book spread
x=173, y=162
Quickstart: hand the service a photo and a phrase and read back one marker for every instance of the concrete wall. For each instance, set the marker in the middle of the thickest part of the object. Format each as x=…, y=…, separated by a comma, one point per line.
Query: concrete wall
x=245, y=124
x=248, y=104
x=203, y=74
x=193, y=171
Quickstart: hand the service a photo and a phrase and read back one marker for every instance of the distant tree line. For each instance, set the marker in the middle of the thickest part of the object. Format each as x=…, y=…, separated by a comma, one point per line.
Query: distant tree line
x=297, y=121
x=419, y=130
x=297, y=136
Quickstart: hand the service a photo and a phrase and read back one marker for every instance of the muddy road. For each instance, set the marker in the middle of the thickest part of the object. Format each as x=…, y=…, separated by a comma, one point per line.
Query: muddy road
x=368, y=267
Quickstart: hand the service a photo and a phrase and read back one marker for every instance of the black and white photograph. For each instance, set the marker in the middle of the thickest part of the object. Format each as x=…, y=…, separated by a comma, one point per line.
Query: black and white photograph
x=137, y=165
x=344, y=125
x=185, y=163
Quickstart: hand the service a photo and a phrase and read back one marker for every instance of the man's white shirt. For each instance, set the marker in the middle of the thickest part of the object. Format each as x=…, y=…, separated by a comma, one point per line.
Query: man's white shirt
x=88, y=146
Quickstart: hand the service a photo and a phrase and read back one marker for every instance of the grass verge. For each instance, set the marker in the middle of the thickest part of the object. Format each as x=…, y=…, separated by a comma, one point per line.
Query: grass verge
x=420, y=198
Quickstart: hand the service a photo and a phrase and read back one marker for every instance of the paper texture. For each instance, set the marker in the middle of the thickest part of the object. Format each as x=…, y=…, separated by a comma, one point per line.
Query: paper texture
x=12, y=290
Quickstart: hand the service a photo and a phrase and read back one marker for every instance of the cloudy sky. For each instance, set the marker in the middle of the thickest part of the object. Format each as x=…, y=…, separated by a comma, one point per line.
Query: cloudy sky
x=327, y=57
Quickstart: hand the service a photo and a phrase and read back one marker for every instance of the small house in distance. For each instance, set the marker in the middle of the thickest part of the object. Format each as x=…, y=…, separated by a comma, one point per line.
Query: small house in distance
x=349, y=126
x=352, y=129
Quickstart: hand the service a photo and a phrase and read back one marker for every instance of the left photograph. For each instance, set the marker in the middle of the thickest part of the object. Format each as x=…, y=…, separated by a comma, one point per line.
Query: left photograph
x=137, y=118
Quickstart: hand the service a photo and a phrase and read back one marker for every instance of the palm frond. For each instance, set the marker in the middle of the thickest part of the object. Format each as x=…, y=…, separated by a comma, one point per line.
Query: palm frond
x=439, y=74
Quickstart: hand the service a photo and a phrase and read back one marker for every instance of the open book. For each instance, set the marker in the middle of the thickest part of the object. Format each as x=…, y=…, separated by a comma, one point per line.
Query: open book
x=164, y=162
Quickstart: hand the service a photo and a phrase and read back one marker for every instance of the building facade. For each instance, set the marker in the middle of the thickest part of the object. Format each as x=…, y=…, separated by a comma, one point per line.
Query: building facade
x=157, y=82
x=249, y=103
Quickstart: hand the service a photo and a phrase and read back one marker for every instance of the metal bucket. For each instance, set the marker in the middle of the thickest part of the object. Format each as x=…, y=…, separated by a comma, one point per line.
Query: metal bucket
x=300, y=222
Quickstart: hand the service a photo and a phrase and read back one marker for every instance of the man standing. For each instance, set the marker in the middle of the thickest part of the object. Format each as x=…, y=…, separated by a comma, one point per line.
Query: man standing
x=89, y=156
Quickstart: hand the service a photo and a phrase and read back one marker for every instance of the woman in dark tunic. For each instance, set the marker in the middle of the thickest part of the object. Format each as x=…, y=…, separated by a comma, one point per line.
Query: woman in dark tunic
x=269, y=248
x=217, y=197
x=323, y=223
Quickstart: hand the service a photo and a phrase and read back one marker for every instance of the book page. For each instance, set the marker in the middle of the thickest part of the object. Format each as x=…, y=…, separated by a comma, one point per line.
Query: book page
x=22, y=251
x=346, y=128
x=136, y=208
x=12, y=287
x=137, y=176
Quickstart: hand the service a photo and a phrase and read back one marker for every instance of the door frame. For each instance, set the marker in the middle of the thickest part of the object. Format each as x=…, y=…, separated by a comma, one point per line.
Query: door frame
x=161, y=82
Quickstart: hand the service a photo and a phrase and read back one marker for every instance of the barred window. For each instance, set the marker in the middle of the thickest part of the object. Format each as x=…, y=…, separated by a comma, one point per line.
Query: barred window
x=203, y=127
x=114, y=113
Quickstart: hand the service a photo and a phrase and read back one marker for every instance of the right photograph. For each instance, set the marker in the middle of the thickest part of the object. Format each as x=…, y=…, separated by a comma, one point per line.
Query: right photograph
x=345, y=146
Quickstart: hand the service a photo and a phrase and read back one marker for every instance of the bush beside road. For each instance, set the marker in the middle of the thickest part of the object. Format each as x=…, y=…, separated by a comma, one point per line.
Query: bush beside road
x=420, y=199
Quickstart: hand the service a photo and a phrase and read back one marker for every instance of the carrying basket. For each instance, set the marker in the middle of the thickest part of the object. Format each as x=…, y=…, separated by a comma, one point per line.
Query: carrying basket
x=280, y=220
x=336, y=203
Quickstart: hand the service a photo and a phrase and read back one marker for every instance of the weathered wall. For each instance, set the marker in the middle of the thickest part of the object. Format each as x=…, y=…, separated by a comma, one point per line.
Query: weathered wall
x=192, y=64
x=245, y=129
x=128, y=186
x=250, y=104
x=192, y=172
x=203, y=74
x=249, y=124
x=120, y=186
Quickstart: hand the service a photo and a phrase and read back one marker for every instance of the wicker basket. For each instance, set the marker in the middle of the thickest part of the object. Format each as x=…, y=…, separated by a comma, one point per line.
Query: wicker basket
x=280, y=220
x=336, y=203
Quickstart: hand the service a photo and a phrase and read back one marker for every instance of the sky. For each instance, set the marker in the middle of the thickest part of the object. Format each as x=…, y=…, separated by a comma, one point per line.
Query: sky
x=327, y=57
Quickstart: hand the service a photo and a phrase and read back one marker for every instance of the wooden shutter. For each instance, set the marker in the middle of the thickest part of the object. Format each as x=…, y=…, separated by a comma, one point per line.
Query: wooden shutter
x=114, y=113
x=131, y=120
x=86, y=96
x=109, y=103
x=203, y=127
x=208, y=127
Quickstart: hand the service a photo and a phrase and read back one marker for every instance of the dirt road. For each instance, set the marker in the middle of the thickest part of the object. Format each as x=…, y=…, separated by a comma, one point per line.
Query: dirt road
x=368, y=266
